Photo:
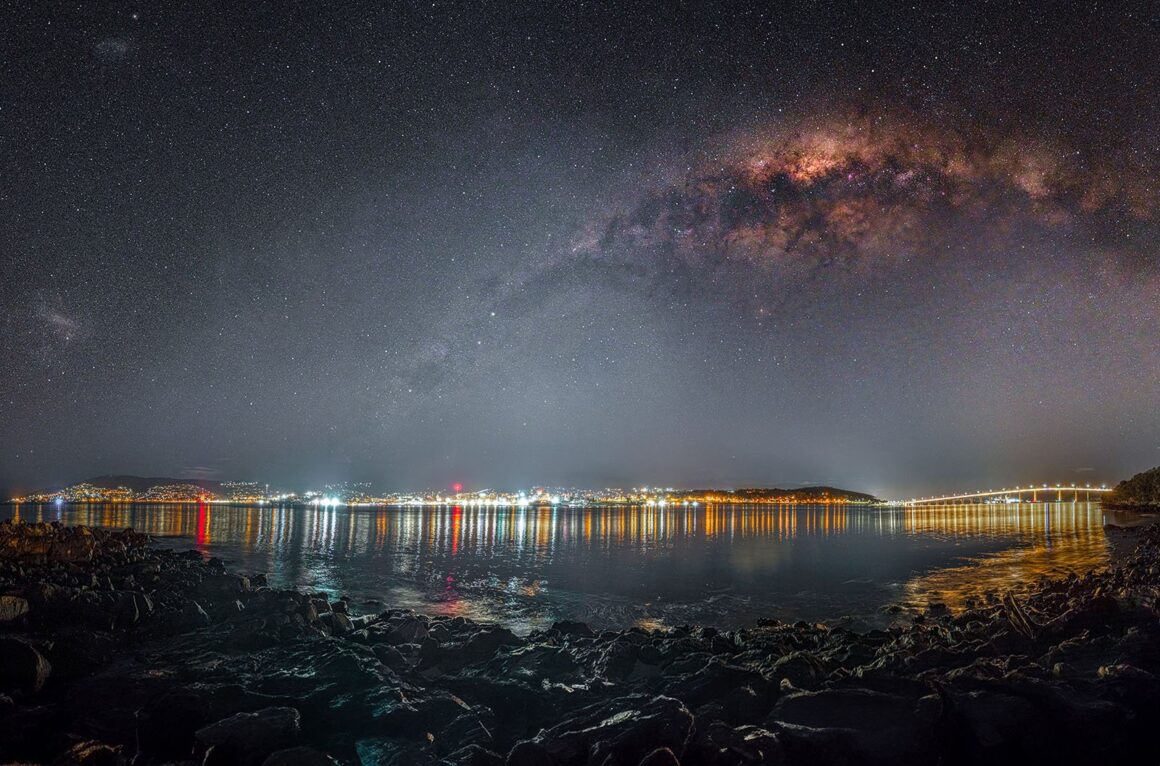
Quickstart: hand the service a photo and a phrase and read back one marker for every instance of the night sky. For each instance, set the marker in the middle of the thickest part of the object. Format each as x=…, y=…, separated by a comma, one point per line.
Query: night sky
x=894, y=249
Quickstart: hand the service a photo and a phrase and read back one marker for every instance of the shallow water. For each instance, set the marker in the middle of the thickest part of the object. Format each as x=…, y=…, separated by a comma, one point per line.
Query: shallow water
x=614, y=567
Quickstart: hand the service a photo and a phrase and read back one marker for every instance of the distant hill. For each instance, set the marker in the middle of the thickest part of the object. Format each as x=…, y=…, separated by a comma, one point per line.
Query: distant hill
x=142, y=483
x=1140, y=491
x=801, y=493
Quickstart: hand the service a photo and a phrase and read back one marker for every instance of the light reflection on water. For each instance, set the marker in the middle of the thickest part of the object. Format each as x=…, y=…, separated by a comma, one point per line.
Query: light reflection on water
x=723, y=565
x=1055, y=540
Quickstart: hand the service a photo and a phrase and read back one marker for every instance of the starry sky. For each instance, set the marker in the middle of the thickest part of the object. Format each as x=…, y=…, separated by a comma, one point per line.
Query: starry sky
x=895, y=248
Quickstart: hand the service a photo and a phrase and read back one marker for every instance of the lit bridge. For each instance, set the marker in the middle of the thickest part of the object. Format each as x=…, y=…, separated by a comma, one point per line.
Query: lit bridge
x=1041, y=494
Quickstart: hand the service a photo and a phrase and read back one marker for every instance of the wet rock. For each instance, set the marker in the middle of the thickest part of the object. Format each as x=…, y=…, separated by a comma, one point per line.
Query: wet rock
x=467, y=729
x=299, y=756
x=428, y=714
x=1125, y=671
x=439, y=632
x=331, y=681
x=523, y=710
x=391, y=751
x=750, y=745
x=662, y=756
x=247, y=739
x=685, y=663
x=617, y=660
x=390, y=656
x=620, y=732
x=90, y=753
x=716, y=680
x=539, y=661
x=805, y=670
x=167, y=719
x=191, y=617
x=405, y=630
x=12, y=607
x=874, y=727
x=572, y=628
x=529, y=753
x=337, y=623
x=472, y=755
x=223, y=586
x=75, y=653
x=22, y=667
x=997, y=725
x=487, y=642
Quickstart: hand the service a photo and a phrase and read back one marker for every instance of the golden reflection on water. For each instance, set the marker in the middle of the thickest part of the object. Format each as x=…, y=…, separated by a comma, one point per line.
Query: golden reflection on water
x=1054, y=539
x=459, y=530
x=1041, y=539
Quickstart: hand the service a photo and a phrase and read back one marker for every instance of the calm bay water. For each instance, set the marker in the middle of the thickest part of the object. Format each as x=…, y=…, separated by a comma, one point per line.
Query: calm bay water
x=613, y=567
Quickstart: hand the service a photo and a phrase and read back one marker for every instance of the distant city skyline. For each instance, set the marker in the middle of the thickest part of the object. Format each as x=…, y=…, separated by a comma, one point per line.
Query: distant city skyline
x=128, y=488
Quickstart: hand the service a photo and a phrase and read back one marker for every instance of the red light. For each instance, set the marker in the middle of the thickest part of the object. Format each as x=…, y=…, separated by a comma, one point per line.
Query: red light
x=457, y=487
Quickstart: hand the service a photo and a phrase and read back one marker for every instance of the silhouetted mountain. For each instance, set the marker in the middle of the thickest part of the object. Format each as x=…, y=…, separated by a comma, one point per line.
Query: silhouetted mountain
x=142, y=483
x=1140, y=491
x=801, y=493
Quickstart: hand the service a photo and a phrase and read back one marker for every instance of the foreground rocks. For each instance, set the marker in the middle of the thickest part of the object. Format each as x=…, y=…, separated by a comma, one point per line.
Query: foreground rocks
x=114, y=652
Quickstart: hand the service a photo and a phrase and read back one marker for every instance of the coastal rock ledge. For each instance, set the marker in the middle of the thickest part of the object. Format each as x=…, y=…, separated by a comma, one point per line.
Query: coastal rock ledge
x=113, y=651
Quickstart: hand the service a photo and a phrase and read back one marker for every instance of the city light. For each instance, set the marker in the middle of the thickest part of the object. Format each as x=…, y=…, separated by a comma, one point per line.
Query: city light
x=361, y=495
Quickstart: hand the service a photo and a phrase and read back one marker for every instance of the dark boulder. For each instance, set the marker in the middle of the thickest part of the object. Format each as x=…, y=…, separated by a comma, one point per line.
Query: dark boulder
x=406, y=630
x=723, y=745
x=717, y=679
x=22, y=667
x=662, y=756
x=390, y=751
x=390, y=656
x=168, y=721
x=617, y=660
x=619, y=732
x=524, y=709
x=299, y=756
x=472, y=755
x=537, y=661
x=803, y=669
x=572, y=628
x=247, y=739
x=487, y=642
x=420, y=716
x=191, y=617
x=529, y=753
x=223, y=586
x=90, y=753
x=12, y=607
x=857, y=724
x=75, y=653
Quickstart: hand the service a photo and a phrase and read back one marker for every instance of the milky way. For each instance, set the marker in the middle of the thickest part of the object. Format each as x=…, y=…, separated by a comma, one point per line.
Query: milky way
x=861, y=193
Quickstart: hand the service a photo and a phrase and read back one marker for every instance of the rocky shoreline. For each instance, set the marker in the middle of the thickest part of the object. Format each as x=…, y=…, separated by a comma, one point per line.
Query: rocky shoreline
x=113, y=651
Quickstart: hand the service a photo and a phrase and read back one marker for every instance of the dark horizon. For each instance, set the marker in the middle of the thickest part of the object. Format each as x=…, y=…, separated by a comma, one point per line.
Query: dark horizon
x=886, y=249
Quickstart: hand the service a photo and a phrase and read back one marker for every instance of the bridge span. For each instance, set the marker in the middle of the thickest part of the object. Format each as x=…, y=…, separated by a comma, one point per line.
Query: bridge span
x=1057, y=493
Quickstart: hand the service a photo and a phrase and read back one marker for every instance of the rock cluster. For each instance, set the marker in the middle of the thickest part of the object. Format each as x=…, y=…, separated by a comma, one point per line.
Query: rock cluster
x=115, y=652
